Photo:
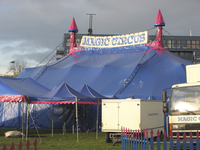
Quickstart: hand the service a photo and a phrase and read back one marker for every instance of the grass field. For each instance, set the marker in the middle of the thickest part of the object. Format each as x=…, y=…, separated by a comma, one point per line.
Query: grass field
x=68, y=141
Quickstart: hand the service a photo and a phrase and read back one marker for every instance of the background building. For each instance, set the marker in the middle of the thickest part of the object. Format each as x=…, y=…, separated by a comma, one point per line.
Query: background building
x=187, y=47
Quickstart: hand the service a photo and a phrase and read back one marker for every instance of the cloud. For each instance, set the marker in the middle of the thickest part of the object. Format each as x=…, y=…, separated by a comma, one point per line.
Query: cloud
x=31, y=29
x=26, y=51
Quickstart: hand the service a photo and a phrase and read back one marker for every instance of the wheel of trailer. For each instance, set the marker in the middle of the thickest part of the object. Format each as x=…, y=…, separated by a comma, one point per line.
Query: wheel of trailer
x=108, y=140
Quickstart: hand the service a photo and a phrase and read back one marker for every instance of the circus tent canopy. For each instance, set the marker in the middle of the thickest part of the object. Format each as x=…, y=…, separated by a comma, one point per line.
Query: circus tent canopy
x=18, y=89
x=64, y=94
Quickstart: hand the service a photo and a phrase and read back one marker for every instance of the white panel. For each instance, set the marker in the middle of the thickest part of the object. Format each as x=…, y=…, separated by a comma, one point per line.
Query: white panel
x=152, y=114
x=110, y=113
x=129, y=114
x=193, y=73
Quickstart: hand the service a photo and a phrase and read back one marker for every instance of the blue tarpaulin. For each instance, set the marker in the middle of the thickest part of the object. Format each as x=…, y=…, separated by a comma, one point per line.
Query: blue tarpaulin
x=87, y=90
x=122, y=72
x=64, y=94
x=17, y=90
x=23, y=86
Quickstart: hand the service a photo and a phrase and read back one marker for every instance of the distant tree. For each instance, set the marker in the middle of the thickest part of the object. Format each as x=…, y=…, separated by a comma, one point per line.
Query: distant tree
x=15, y=68
x=7, y=75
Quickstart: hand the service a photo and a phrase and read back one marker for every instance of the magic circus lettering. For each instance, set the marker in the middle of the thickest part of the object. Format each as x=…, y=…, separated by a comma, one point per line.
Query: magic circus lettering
x=115, y=41
x=194, y=118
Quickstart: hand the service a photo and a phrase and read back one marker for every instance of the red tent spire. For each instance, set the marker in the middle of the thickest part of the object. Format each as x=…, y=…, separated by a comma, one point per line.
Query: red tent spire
x=159, y=19
x=73, y=27
x=157, y=44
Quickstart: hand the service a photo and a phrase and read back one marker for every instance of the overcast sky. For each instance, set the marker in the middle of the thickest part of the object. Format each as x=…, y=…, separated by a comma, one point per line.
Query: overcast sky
x=31, y=29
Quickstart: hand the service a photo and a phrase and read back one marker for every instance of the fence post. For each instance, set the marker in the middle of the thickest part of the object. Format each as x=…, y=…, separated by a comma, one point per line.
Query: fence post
x=184, y=141
x=129, y=139
x=165, y=140
x=4, y=147
x=144, y=139
x=35, y=144
x=122, y=137
x=177, y=141
x=152, y=140
x=158, y=140
x=20, y=145
x=191, y=141
x=141, y=140
x=12, y=147
x=134, y=137
x=147, y=139
x=197, y=141
x=171, y=140
x=27, y=144
x=126, y=147
x=138, y=139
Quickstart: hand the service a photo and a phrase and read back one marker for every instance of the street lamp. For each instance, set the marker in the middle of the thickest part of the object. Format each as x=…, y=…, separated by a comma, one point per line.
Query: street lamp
x=13, y=67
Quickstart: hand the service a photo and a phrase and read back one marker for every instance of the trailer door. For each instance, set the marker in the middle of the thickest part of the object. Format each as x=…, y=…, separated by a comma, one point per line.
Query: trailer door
x=110, y=115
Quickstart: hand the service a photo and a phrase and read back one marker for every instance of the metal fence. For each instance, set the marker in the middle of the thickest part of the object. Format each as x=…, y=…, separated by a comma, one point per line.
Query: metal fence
x=12, y=147
x=138, y=140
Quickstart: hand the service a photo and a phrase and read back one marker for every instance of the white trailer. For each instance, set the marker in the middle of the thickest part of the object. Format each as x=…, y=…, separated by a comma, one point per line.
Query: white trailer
x=134, y=114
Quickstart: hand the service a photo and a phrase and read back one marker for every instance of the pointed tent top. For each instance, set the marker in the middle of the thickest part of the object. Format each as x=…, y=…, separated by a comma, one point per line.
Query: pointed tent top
x=159, y=19
x=73, y=27
x=87, y=90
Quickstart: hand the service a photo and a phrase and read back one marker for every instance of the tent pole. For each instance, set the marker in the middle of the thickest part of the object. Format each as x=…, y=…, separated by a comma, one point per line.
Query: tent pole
x=73, y=120
x=22, y=121
x=27, y=124
x=52, y=118
x=97, y=119
x=77, y=118
x=63, y=119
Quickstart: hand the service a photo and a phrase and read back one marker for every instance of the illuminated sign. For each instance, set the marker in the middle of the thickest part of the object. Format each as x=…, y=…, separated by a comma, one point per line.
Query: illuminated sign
x=115, y=41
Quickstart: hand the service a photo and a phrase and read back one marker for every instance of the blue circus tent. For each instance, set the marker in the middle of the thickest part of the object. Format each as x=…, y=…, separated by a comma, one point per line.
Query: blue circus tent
x=87, y=90
x=17, y=90
x=122, y=72
x=5, y=89
x=8, y=94
x=24, y=86
x=64, y=94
